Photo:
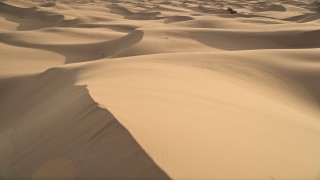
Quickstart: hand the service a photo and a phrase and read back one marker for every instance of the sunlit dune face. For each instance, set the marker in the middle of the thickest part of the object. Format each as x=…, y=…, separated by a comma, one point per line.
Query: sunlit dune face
x=160, y=89
x=59, y=168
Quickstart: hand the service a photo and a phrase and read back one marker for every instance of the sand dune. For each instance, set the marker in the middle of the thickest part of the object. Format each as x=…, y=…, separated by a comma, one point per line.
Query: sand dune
x=154, y=89
x=30, y=18
x=259, y=109
x=82, y=141
x=312, y=17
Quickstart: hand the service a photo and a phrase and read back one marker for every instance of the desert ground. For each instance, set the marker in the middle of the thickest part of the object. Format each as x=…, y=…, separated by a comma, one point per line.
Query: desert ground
x=160, y=89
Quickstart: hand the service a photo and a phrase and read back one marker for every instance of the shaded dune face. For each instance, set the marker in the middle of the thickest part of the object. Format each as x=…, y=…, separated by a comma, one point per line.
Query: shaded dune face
x=66, y=134
x=31, y=18
x=138, y=39
x=76, y=52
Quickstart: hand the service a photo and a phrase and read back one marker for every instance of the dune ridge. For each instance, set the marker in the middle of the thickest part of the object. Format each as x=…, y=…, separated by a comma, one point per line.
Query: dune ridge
x=153, y=89
x=95, y=133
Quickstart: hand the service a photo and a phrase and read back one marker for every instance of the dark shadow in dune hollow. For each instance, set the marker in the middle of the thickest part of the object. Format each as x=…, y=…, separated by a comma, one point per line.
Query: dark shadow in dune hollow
x=33, y=19
x=310, y=81
x=246, y=40
x=52, y=128
x=84, y=52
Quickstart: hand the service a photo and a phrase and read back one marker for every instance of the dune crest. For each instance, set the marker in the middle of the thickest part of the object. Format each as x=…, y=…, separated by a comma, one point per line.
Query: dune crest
x=83, y=141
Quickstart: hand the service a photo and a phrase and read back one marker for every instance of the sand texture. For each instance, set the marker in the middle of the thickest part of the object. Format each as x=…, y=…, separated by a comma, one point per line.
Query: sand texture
x=160, y=89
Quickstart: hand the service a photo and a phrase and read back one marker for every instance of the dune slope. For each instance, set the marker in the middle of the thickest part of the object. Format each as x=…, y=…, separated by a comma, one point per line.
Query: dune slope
x=153, y=89
x=65, y=134
x=217, y=115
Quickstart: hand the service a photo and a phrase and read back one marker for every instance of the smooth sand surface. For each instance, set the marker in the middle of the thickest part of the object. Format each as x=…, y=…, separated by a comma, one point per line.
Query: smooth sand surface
x=150, y=89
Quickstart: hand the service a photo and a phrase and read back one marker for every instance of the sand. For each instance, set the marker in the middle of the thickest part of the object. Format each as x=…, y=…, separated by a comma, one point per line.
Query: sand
x=177, y=89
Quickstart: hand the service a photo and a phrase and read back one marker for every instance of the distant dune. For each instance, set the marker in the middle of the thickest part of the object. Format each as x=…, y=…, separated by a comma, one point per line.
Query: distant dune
x=150, y=89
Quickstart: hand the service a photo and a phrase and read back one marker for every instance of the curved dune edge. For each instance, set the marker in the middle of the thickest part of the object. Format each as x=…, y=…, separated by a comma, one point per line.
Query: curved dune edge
x=78, y=52
x=65, y=134
x=33, y=18
x=202, y=114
